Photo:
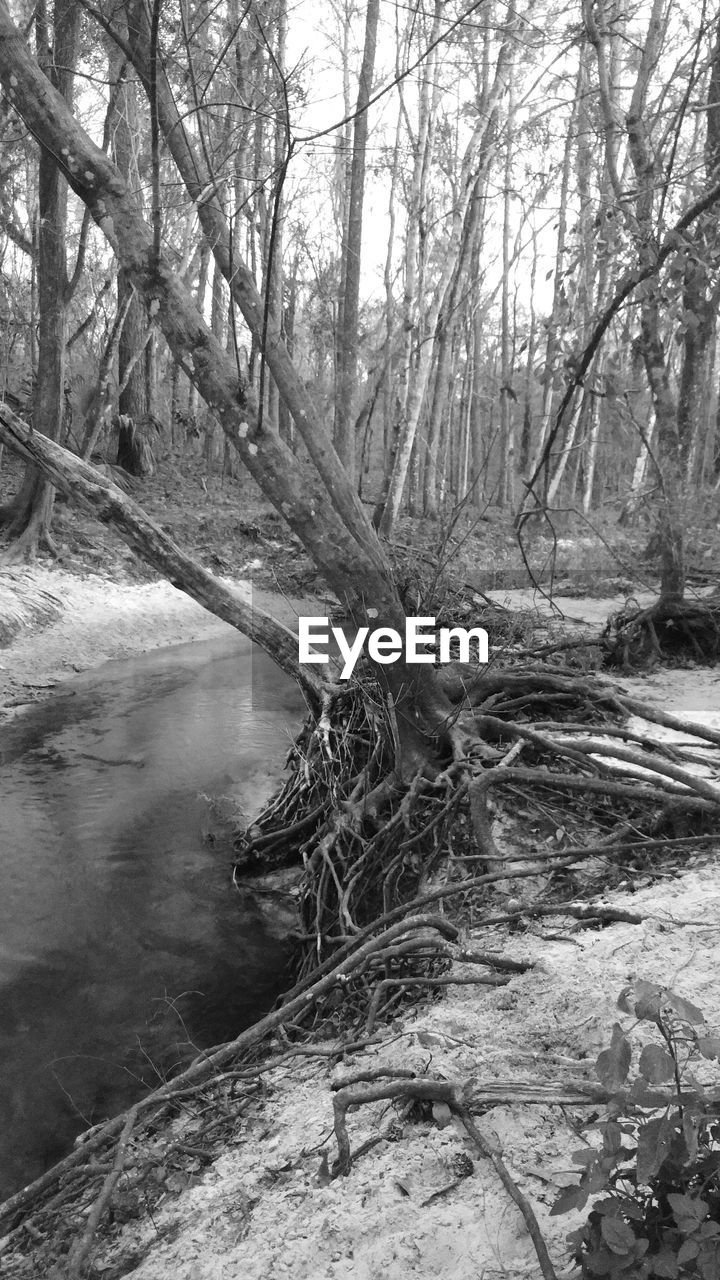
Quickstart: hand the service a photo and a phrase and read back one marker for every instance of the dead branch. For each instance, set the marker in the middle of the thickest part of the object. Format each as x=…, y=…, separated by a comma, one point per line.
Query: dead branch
x=401, y=984
x=456, y=1096
x=513, y=1191
x=81, y=1248
x=201, y=1072
x=417, y=1089
x=633, y=706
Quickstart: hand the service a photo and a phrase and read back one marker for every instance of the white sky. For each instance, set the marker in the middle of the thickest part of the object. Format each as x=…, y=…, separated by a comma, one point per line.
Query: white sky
x=313, y=49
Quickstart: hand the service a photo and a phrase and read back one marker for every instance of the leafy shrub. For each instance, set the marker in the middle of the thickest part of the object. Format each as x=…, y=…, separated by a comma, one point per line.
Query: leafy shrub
x=659, y=1162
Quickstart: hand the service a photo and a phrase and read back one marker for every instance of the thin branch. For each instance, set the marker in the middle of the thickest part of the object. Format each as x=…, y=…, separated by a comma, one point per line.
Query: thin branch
x=671, y=244
x=523, y=1204
x=79, y=268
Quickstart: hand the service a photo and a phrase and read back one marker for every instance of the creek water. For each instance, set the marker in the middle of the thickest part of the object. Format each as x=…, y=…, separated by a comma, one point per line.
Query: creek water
x=123, y=946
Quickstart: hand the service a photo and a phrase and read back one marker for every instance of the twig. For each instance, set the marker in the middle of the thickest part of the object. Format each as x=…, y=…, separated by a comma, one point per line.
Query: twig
x=486, y=980
x=200, y=1073
x=455, y=1095
x=420, y=1088
x=513, y=1191
x=81, y=1247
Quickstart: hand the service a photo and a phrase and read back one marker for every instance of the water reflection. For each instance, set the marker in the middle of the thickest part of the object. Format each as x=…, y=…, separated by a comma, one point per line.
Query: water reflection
x=112, y=905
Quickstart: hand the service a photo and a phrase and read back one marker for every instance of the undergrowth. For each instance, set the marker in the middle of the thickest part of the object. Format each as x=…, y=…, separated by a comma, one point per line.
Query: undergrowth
x=657, y=1170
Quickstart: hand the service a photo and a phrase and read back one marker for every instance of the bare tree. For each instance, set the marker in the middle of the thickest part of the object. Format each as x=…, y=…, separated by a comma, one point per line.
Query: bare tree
x=329, y=521
x=27, y=520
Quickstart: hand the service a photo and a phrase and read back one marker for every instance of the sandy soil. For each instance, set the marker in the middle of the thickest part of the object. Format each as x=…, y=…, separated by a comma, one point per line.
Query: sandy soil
x=100, y=618
x=266, y=1208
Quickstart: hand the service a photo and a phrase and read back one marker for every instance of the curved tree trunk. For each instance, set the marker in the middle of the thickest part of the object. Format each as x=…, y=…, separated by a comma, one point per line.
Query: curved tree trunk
x=344, y=549
x=291, y=386
x=98, y=495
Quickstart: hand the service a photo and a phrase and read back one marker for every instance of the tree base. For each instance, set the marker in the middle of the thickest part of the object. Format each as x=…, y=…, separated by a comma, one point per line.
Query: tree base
x=668, y=631
x=513, y=809
x=26, y=528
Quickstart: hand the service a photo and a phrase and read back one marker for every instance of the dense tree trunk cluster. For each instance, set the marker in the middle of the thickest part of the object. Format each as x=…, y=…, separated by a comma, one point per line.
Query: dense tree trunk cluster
x=447, y=386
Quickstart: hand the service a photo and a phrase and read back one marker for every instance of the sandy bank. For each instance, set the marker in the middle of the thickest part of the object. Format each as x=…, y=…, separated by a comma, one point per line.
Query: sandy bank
x=99, y=618
x=259, y=1204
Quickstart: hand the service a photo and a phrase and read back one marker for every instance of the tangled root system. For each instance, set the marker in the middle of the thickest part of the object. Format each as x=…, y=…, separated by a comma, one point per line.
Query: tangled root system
x=671, y=631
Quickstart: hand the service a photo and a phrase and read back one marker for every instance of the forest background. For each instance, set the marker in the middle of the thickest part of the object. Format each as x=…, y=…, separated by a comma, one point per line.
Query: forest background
x=436, y=210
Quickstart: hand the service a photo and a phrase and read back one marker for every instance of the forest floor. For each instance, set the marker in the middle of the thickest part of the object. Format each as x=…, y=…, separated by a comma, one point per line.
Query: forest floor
x=104, y=603
x=257, y=1202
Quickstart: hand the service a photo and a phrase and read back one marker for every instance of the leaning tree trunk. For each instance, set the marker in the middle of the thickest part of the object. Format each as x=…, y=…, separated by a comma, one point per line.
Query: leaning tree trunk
x=201, y=187
x=344, y=549
x=98, y=495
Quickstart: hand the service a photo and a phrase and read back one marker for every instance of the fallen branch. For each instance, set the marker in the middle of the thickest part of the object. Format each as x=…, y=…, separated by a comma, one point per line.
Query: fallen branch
x=513, y=1191
x=633, y=706
x=95, y=493
x=455, y=1095
x=387, y=984
x=82, y=1247
x=203, y=1069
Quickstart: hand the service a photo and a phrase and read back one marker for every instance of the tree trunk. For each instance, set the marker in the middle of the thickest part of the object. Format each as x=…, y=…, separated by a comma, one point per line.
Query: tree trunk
x=351, y=257
x=200, y=186
x=100, y=408
x=132, y=448
x=592, y=431
x=345, y=550
x=416, y=248
x=29, y=518
x=96, y=494
x=559, y=302
x=669, y=457
x=506, y=484
x=478, y=403
x=634, y=497
x=670, y=472
x=459, y=241
x=700, y=302
x=567, y=448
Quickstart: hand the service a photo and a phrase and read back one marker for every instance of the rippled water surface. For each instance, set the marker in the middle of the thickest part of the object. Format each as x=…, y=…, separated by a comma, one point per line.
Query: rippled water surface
x=122, y=941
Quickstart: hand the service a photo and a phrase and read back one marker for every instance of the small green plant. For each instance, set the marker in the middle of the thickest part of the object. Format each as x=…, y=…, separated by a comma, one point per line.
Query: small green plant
x=659, y=1160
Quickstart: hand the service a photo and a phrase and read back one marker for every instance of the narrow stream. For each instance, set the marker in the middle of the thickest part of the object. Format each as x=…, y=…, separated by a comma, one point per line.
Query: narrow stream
x=122, y=941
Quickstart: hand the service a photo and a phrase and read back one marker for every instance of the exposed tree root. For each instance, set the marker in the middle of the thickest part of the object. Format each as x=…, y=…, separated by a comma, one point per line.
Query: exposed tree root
x=82, y=1246
x=74, y=1179
x=499, y=802
x=369, y=843
x=458, y=1097
x=637, y=637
